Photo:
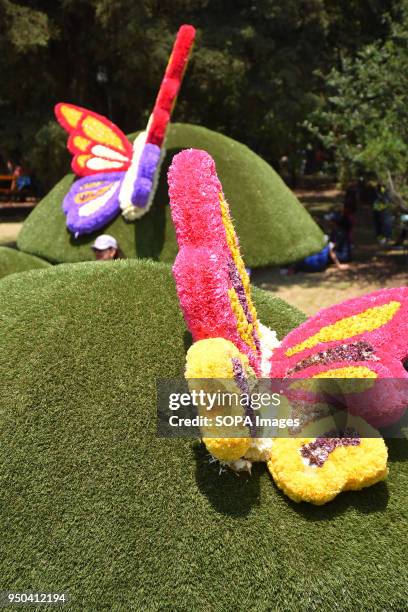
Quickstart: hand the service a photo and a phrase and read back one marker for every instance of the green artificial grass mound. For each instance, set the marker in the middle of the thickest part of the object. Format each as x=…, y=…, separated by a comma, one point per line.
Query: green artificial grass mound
x=272, y=225
x=94, y=504
x=12, y=260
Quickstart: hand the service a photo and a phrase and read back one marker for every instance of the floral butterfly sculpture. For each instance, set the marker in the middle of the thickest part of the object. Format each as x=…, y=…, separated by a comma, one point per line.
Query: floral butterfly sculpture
x=319, y=468
x=116, y=175
x=360, y=338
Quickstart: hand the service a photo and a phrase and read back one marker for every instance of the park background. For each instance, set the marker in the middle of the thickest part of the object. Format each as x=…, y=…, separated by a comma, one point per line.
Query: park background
x=289, y=79
x=92, y=501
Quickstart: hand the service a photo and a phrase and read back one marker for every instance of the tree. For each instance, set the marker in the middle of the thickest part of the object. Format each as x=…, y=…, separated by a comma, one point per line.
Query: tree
x=364, y=119
x=254, y=73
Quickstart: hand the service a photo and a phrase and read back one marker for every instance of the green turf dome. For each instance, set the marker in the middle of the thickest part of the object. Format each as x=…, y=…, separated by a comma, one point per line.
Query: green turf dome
x=94, y=504
x=12, y=260
x=272, y=225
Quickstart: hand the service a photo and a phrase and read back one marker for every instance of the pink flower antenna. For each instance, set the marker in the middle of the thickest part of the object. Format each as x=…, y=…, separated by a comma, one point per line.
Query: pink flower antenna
x=212, y=284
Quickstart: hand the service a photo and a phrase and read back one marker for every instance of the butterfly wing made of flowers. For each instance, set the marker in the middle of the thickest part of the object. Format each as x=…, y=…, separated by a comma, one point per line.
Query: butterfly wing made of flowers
x=316, y=469
x=92, y=202
x=97, y=145
x=361, y=338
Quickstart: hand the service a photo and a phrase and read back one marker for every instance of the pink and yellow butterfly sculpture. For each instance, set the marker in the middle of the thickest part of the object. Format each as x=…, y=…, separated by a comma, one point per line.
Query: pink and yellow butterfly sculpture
x=364, y=338
x=116, y=175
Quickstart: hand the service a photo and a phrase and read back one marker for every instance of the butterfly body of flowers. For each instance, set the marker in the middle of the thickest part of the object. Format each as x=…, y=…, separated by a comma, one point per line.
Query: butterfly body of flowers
x=363, y=339
x=116, y=176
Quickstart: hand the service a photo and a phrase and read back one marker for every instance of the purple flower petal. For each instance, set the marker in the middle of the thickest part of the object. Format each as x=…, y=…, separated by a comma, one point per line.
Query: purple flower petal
x=92, y=202
x=148, y=165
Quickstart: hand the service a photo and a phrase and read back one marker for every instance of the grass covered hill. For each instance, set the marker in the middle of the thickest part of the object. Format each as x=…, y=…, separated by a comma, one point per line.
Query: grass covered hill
x=12, y=260
x=94, y=504
x=272, y=225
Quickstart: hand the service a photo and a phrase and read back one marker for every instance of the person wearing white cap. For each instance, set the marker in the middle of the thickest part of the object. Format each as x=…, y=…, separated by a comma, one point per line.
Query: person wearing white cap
x=106, y=247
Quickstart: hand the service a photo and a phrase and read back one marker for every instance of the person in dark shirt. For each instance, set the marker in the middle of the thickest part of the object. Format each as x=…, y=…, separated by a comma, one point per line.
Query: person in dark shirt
x=340, y=232
x=337, y=250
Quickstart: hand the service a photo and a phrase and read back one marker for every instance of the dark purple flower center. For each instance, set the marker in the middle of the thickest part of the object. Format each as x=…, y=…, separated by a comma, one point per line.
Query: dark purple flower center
x=318, y=451
x=242, y=383
x=356, y=351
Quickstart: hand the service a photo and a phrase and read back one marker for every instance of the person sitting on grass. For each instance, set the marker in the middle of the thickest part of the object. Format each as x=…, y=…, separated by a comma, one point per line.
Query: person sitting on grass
x=106, y=248
x=340, y=235
x=337, y=250
x=319, y=262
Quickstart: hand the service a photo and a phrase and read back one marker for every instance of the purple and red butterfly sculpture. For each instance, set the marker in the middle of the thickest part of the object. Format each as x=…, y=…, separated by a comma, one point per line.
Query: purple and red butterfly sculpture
x=362, y=342
x=116, y=175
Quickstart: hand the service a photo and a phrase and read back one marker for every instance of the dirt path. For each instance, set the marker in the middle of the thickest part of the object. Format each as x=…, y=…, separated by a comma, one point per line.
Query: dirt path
x=311, y=292
x=373, y=267
x=9, y=232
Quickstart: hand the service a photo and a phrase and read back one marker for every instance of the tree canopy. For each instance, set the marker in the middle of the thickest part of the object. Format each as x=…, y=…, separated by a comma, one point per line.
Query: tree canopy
x=256, y=74
x=364, y=118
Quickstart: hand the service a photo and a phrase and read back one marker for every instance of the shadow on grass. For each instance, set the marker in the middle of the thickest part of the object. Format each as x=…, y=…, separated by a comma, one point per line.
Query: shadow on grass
x=229, y=493
x=187, y=340
x=83, y=239
x=397, y=449
x=235, y=495
x=150, y=232
x=366, y=501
